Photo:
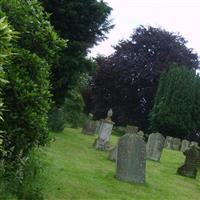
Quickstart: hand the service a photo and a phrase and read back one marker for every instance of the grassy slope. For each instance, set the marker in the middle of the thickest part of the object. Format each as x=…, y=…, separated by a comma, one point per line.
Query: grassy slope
x=77, y=171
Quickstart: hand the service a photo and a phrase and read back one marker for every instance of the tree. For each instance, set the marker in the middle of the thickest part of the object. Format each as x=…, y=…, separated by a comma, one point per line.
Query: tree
x=6, y=36
x=173, y=111
x=127, y=80
x=83, y=23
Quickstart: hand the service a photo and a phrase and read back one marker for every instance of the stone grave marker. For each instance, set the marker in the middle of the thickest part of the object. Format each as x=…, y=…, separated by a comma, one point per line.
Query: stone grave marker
x=194, y=143
x=90, y=126
x=113, y=153
x=105, y=130
x=155, y=146
x=131, y=161
x=168, y=142
x=176, y=144
x=192, y=161
x=185, y=145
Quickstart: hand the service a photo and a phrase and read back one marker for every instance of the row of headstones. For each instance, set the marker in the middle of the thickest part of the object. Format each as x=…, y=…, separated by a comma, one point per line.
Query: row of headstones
x=131, y=152
x=177, y=144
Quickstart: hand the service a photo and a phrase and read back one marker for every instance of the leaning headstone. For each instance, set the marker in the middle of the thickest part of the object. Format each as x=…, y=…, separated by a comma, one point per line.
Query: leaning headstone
x=105, y=130
x=194, y=143
x=176, y=145
x=168, y=142
x=191, y=164
x=90, y=126
x=155, y=146
x=113, y=154
x=131, y=162
x=185, y=145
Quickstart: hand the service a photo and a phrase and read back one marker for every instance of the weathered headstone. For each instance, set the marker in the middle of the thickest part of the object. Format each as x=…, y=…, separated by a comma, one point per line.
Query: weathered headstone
x=113, y=154
x=140, y=133
x=105, y=130
x=131, y=129
x=155, y=146
x=90, y=126
x=194, y=143
x=185, y=145
x=191, y=164
x=168, y=142
x=131, y=162
x=176, y=145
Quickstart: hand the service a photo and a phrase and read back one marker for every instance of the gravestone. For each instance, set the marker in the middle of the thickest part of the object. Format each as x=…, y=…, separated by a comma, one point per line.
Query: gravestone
x=131, y=129
x=194, y=143
x=98, y=124
x=131, y=162
x=90, y=126
x=192, y=161
x=105, y=130
x=140, y=133
x=155, y=146
x=185, y=145
x=168, y=142
x=176, y=144
x=113, y=154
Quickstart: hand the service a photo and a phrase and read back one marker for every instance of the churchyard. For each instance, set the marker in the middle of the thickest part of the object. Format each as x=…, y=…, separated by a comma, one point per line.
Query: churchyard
x=76, y=170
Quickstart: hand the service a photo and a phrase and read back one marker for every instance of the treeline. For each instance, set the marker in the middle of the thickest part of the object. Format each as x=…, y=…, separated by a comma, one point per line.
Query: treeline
x=43, y=60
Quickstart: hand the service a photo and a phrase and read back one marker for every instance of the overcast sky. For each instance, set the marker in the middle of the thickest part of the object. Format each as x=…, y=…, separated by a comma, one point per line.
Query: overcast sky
x=180, y=16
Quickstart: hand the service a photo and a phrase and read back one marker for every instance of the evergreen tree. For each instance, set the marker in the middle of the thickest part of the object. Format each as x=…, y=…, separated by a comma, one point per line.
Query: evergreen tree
x=173, y=109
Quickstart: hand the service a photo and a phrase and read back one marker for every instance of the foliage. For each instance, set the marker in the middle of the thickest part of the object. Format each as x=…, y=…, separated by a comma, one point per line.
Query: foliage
x=172, y=113
x=6, y=36
x=73, y=108
x=127, y=80
x=27, y=95
x=83, y=24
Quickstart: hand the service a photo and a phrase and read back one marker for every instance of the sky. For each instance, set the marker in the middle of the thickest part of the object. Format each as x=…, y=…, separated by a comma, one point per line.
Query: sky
x=179, y=16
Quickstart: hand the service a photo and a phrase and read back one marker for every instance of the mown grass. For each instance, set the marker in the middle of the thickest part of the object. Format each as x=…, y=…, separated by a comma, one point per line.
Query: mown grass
x=75, y=170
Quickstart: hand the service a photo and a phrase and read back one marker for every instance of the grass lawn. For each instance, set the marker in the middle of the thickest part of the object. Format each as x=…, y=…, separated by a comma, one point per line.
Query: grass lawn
x=77, y=171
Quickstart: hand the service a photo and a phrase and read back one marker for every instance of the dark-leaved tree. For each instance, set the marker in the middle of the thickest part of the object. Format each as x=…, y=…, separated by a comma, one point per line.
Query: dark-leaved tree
x=127, y=80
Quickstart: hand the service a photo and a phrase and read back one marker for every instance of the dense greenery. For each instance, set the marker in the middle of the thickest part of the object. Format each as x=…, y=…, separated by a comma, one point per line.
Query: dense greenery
x=172, y=113
x=27, y=94
x=83, y=23
x=6, y=35
x=127, y=80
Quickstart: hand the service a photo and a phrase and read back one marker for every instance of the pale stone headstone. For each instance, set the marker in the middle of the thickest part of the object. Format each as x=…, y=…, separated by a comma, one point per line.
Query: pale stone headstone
x=185, y=145
x=90, y=126
x=113, y=154
x=192, y=161
x=194, y=143
x=155, y=146
x=105, y=130
x=168, y=142
x=131, y=162
x=140, y=133
x=176, y=145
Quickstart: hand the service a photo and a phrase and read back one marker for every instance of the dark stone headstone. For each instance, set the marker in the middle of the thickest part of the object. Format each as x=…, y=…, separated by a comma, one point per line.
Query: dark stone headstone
x=131, y=162
x=192, y=162
x=155, y=146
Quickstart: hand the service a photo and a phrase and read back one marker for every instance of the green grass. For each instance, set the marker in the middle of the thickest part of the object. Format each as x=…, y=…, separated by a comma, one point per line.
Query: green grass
x=77, y=171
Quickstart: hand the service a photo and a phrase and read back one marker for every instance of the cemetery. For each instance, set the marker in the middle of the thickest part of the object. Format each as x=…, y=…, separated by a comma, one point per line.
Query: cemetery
x=76, y=124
